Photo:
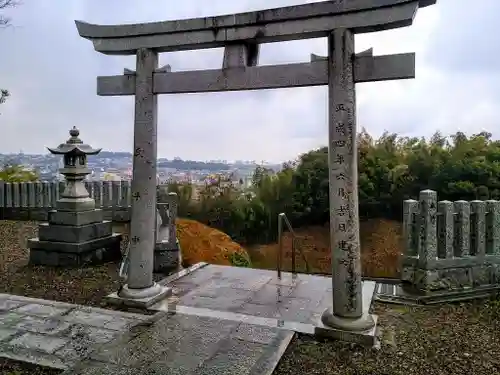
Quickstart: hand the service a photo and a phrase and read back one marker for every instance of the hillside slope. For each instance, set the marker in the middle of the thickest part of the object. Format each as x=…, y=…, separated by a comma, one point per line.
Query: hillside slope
x=381, y=244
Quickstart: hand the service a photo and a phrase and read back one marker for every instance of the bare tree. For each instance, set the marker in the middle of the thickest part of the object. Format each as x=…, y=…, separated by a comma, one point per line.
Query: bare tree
x=5, y=21
x=3, y=95
x=4, y=4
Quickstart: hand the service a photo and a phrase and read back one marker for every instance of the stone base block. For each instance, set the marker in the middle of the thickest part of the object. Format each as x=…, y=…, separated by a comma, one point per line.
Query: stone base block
x=166, y=258
x=160, y=292
x=74, y=234
x=75, y=218
x=405, y=294
x=342, y=332
x=366, y=338
x=452, y=279
x=62, y=254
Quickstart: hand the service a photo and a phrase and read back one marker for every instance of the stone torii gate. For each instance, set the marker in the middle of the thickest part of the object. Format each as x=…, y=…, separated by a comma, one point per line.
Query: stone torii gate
x=241, y=35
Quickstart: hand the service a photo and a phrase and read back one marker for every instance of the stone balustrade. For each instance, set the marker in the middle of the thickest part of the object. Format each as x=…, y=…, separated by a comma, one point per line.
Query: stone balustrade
x=33, y=200
x=451, y=245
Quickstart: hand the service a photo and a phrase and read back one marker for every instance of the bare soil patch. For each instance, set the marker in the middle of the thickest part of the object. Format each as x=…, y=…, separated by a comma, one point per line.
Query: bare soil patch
x=381, y=244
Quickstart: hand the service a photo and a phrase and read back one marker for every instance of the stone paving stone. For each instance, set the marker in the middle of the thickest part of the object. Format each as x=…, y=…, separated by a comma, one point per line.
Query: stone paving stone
x=83, y=340
x=287, y=279
x=93, y=334
x=296, y=303
x=199, y=277
x=265, y=311
x=118, y=323
x=42, y=343
x=193, y=323
x=6, y=304
x=135, y=351
x=42, y=325
x=33, y=356
x=235, y=357
x=225, y=292
x=6, y=333
x=255, y=333
x=220, y=303
x=270, y=358
x=88, y=318
x=41, y=310
x=10, y=319
x=252, y=285
x=293, y=315
x=270, y=294
x=182, y=288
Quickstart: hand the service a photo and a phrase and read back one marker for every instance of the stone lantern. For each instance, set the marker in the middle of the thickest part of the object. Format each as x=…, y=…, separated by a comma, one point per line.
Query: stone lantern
x=75, y=196
x=76, y=233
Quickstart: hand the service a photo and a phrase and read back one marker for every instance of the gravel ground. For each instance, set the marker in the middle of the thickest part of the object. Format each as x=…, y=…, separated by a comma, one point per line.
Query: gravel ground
x=85, y=286
x=448, y=339
x=440, y=340
x=8, y=367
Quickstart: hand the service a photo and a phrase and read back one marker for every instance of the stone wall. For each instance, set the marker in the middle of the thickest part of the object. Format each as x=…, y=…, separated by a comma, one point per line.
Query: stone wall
x=450, y=245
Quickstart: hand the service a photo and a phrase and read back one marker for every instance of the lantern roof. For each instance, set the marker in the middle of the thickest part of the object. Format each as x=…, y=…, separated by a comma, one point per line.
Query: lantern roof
x=74, y=145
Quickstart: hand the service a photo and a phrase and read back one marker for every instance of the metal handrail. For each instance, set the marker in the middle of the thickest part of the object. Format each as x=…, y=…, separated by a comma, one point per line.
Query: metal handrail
x=123, y=270
x=282, y=218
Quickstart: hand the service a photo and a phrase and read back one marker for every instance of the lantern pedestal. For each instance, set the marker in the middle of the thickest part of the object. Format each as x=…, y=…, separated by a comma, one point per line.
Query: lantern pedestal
x=76, y=233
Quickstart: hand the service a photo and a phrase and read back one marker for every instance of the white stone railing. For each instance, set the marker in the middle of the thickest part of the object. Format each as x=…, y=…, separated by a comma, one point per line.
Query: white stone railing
x=107, y=194
x=446, y=237
x=32, y=200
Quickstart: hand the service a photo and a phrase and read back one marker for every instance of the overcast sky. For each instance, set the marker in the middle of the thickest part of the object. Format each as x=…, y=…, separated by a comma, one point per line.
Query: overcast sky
x=51, y=74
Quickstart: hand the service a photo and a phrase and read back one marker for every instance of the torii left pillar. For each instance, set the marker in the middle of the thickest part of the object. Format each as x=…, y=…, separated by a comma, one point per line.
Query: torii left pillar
x=141, y=288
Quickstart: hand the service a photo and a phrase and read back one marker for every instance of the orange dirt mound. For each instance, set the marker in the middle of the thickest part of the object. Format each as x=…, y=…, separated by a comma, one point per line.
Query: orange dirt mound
x=200, y=243
x=380, y=249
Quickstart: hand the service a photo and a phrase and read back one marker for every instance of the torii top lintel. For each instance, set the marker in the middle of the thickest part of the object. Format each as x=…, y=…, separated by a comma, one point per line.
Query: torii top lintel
x=273, y=25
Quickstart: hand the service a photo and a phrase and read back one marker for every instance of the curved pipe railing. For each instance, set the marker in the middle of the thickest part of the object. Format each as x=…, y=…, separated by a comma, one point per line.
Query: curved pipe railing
x=282, y=218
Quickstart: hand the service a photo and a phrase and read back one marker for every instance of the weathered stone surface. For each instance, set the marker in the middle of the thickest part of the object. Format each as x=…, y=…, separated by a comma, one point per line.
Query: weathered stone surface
x=38, y=342
x=74, y=234
x=142, y=223
x=6, y=333
x=75, y=218
x=257, y=297
x=56, y=334
x=427, y=241
x=166, y=261
x=410, y=213
x=462, y=225
x=493, y=227
x=343, y=178
x=60, y=254
x=297, y=22
x=41, y=310
x=41, y=325
x=478, y=228
x=445, y=229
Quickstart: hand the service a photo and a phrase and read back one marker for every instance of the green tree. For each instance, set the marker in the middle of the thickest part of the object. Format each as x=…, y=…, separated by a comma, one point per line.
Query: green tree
x=391, y=169
x=16, y=173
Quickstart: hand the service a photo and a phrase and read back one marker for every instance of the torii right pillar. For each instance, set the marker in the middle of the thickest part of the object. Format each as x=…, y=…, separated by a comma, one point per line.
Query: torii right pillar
x=347, y=312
